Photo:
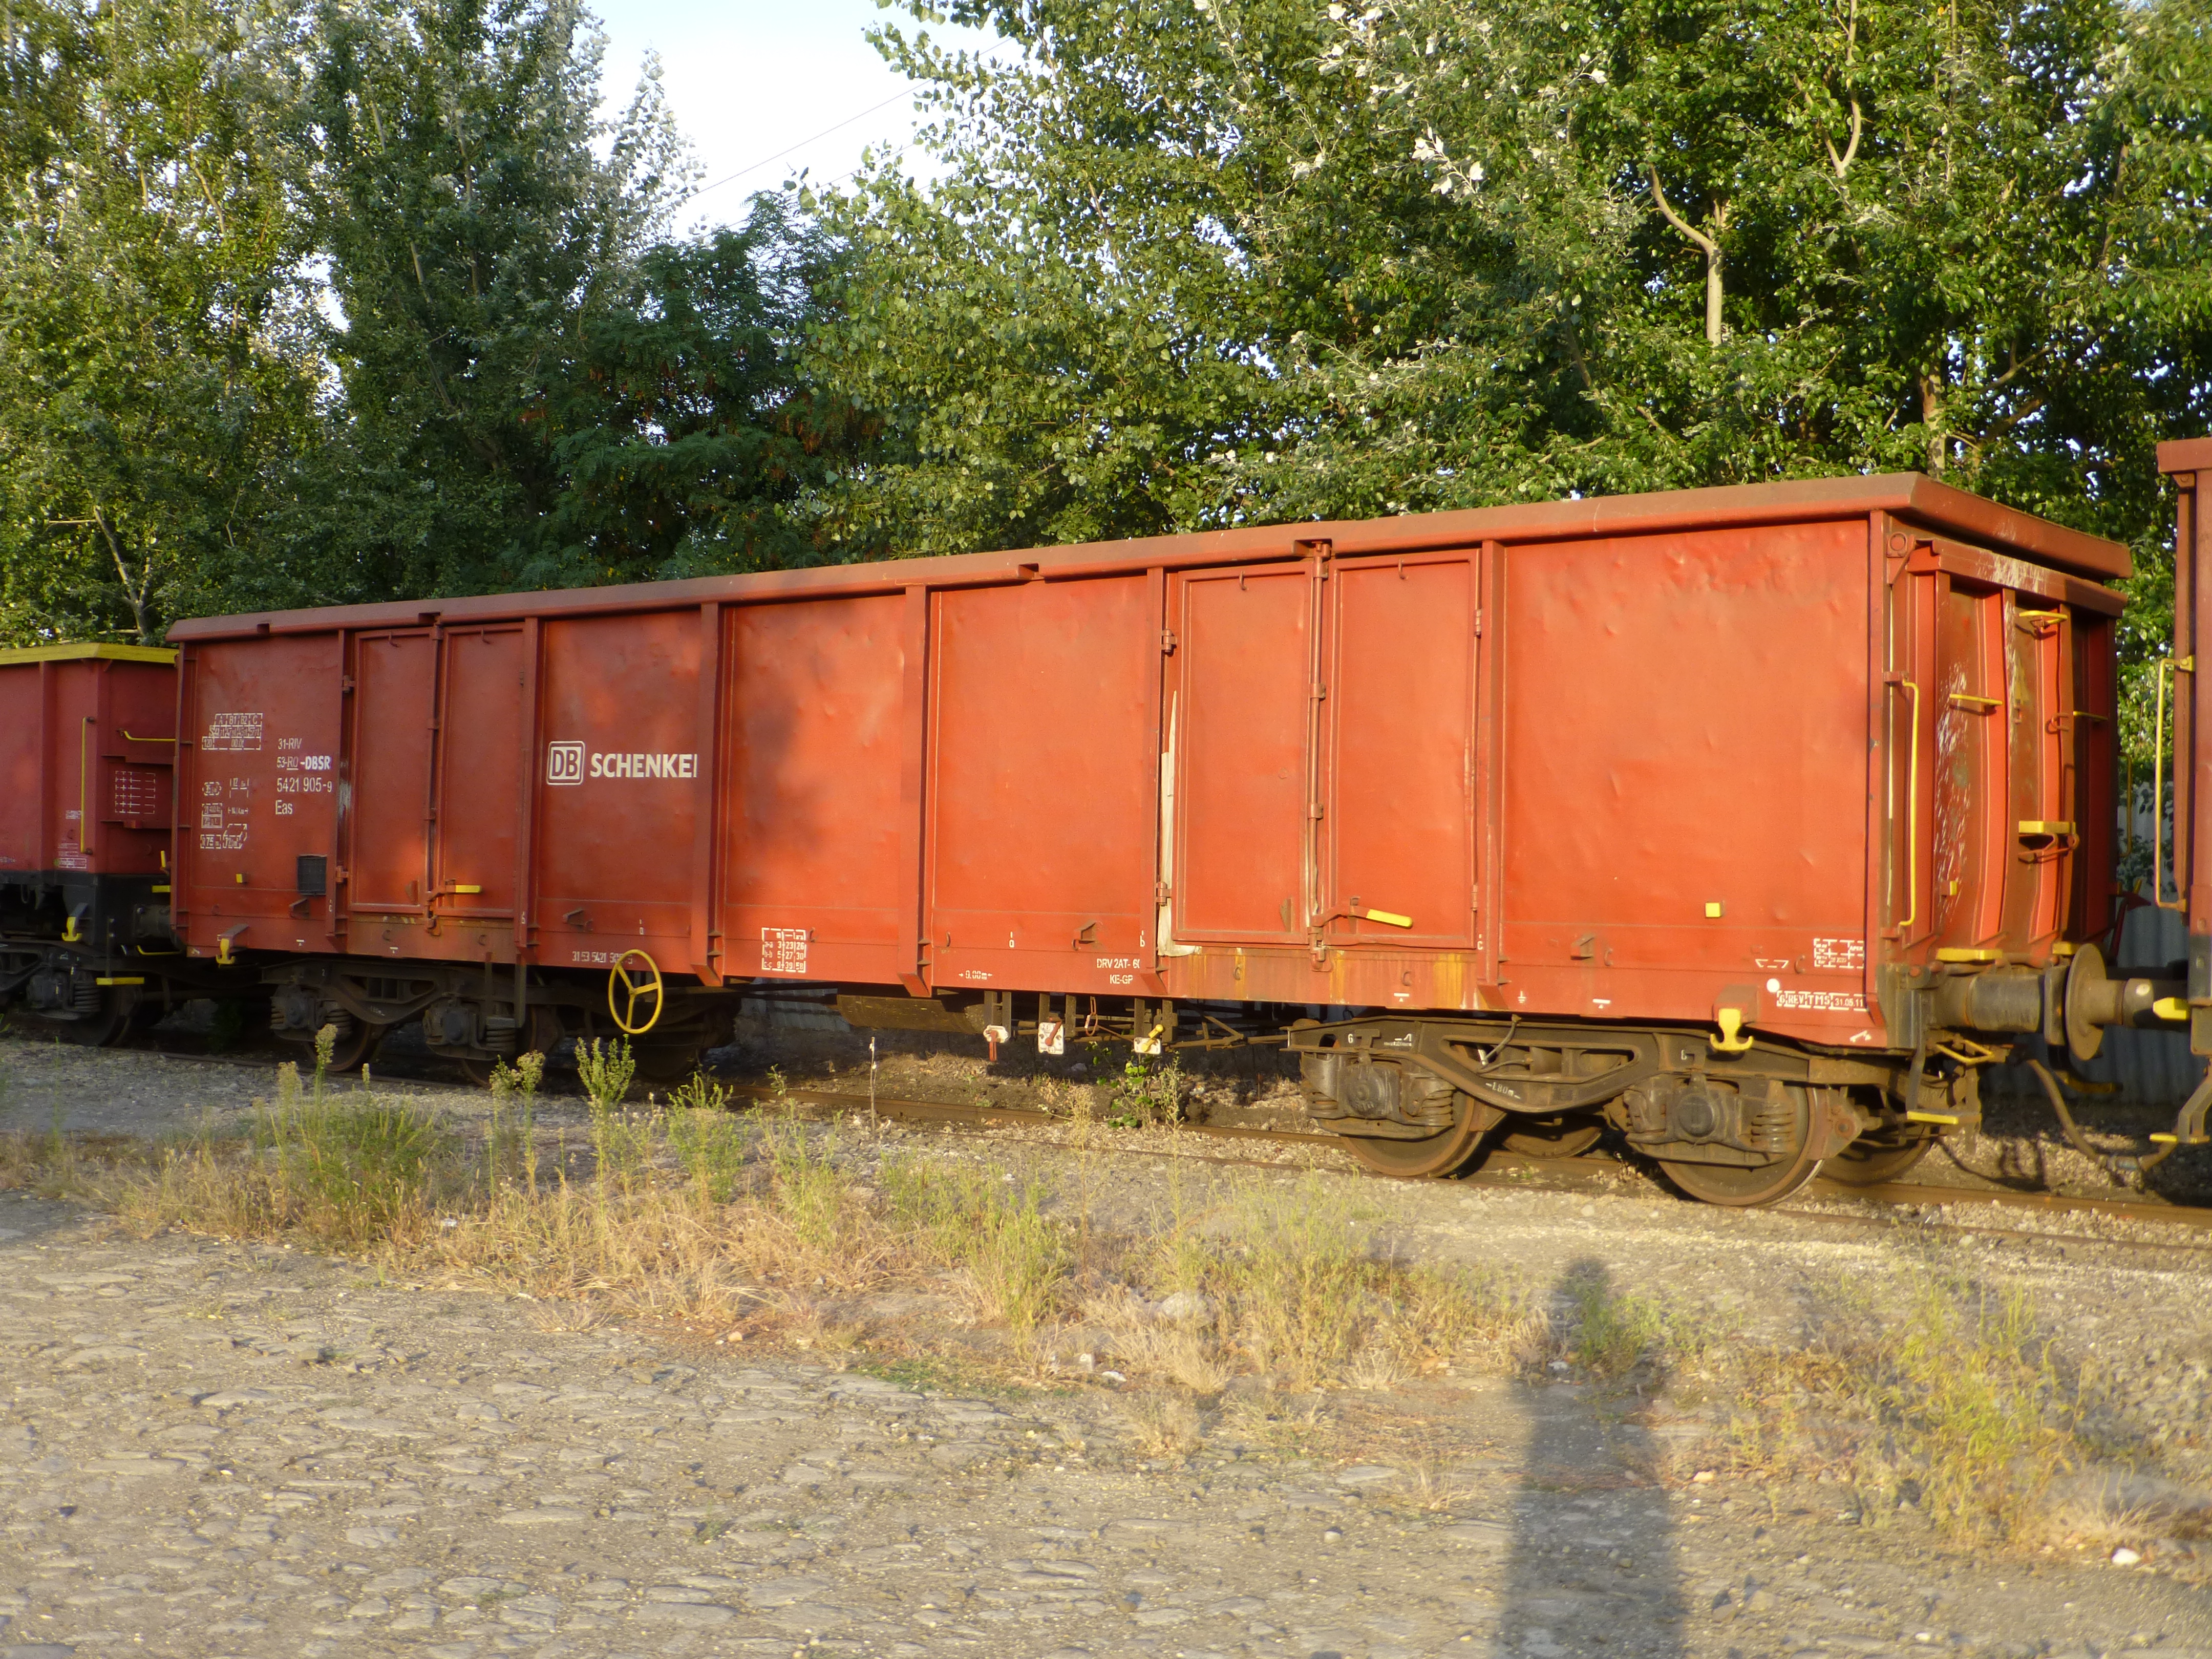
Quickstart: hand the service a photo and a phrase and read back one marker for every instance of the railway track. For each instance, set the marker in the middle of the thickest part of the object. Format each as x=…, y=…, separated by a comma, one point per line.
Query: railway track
x=1592, y=1172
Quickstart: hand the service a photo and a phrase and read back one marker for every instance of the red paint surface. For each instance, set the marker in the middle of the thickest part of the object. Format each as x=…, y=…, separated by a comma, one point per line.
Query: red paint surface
x=81, y=788
x=1549, y=736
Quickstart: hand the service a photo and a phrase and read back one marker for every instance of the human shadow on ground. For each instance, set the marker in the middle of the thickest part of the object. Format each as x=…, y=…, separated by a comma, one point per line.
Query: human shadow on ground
x=1591, y=1567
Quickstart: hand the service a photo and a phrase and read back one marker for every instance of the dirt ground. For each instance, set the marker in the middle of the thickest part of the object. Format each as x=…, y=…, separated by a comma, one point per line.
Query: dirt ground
x=216, y=1449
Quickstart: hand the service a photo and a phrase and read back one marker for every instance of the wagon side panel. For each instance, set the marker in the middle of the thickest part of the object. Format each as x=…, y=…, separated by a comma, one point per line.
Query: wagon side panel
x=1044, y=756
x=259, y=793
x=809, y=859
x=619, y=788
x=26, y=810
x=1684, y=809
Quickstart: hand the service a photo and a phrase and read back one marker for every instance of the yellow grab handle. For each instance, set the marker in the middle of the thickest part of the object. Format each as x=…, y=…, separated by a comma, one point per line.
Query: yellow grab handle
x=1911, y=817
x=2161, y=687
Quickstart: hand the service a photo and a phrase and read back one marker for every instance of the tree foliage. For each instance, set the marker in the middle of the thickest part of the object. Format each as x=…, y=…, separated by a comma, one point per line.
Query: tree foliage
x=365, y=299
x=1200, y=262
x=475, y=233
x=156, y=367
x=540, y=387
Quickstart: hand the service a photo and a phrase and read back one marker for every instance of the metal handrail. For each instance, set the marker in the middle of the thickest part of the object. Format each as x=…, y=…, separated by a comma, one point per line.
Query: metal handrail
x=2161, y=687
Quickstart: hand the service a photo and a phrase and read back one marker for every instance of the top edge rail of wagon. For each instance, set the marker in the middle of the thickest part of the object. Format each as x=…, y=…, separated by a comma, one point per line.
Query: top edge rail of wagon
x=1911, y=496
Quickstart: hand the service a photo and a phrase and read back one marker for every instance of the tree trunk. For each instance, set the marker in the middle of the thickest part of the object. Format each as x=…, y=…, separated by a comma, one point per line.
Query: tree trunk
x=1713, y=294
x=1931, y=418
x=1709, y=245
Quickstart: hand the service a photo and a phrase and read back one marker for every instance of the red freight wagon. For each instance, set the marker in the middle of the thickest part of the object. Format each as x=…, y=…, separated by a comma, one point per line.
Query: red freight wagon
x=1724, y=816
x=86, y=748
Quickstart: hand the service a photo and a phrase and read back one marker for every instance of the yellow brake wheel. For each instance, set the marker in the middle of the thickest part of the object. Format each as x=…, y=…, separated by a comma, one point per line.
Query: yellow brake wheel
x=634, y=987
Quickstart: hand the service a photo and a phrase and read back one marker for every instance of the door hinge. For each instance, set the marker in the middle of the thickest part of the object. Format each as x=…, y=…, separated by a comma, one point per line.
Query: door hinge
x=1478, y=621
x=1167, y=642
x=1159, y=892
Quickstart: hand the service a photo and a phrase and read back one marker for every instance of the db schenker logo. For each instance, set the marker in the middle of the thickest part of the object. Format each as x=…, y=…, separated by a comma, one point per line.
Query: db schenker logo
x=564, y=763
x=572, y=762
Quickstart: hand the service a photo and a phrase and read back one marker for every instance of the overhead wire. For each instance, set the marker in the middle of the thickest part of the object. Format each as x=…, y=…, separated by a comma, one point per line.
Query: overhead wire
x=794, y=148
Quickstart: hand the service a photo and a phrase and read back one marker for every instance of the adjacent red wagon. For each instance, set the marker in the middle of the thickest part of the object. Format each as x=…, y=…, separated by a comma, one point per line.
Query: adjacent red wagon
x=1714, y=814
x=87, y=742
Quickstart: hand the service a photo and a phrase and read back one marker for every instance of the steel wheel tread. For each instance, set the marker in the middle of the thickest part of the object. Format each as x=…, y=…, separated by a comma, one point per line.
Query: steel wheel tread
x=1444, y=1153
x=1868, y=1164
x=1549, y=1137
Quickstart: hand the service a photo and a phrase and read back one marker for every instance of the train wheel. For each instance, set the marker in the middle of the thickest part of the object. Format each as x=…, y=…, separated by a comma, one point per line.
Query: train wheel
x=122, y=1012
x=666, y=1064
x=354, y=1050
x=1738, y=1188
x=1443, y=1153
x=1868, y=1162
x=1551, y=1137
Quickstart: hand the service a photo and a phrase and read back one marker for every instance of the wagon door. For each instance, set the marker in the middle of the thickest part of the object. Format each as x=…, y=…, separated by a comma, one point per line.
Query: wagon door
x=1990, y=723
x=1243, y=730
x=480, y=762
x=1321, y=734
x=389, y=817
x=1398, y=827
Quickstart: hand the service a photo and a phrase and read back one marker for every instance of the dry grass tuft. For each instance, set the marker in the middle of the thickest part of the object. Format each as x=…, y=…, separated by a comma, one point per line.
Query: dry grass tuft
x=1291, y=1427
x=1958, y=1408
x=1431, y=1488
x=1163, y=1425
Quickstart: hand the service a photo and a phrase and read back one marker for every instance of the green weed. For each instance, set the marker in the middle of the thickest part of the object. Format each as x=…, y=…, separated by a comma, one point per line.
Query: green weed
x=511, y=1133
x=607, y=1069
x=709, y=1142
x=1146, y=1094
x=992, y=1224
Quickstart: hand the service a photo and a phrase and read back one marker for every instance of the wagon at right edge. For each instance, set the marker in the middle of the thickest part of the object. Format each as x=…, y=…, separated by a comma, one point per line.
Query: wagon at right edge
x=1792, y=813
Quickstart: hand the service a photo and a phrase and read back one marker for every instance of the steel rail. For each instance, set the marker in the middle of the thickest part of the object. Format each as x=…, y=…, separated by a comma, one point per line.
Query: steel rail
x=1501, y=1169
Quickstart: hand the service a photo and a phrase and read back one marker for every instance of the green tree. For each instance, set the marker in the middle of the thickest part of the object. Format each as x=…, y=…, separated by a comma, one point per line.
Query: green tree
x=479, y=217
x=1070, y=335
x=1814, y=236
x=1202, y=262
x=154, y=364
x=539, y=389
x=685, y=439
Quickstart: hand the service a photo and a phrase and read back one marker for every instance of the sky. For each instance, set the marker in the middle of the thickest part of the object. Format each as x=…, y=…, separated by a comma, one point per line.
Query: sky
x=750, y=78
